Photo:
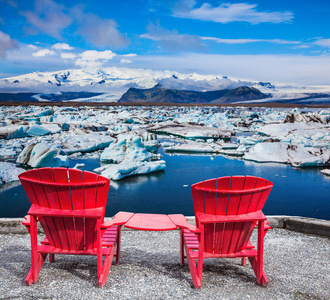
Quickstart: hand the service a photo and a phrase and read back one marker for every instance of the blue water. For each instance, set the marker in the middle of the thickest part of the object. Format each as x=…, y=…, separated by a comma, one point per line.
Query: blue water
x=296, y=192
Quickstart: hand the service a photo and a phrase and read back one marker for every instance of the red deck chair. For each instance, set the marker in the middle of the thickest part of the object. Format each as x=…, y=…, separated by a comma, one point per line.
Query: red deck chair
x=226, y=210
x=70, y=206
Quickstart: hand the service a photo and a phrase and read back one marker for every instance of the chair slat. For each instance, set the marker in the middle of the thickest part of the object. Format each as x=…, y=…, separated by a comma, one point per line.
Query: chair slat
x=90, y=202
x=77, y=196
x=222, y=199
x=198, y=200
x=209, y=208
x=237, y=183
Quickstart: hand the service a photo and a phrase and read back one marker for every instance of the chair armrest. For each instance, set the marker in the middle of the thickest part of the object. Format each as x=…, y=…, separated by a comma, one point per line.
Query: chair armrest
x=96, y=213
x=27, y=221
x=181, y=221
x=255, y=216
x=120, y=218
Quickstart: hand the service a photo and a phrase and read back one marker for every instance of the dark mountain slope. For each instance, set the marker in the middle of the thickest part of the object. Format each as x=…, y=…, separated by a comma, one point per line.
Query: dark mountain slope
x=163, y=95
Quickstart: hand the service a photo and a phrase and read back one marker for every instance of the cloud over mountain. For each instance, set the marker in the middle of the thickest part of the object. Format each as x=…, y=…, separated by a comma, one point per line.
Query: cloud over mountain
x=6, y=43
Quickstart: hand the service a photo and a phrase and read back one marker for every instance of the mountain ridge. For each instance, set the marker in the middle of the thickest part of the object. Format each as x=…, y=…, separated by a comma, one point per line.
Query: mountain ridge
x=164, y=95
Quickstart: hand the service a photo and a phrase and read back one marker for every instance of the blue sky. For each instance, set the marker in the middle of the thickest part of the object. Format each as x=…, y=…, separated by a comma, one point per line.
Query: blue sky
x=286, y=41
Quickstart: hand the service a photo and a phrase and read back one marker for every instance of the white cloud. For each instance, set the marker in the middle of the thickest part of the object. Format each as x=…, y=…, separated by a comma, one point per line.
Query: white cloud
x=47, y=17
x=100, y=32
x=171, y=40
x=44, y=52
x=130, y=55
x=32, y=46
x=6, y=43
x=126, y=61
x=62, y=46
x=245, y=41
x=229, y=12
x=68, y=55
x=323, y=42
x=93, y=58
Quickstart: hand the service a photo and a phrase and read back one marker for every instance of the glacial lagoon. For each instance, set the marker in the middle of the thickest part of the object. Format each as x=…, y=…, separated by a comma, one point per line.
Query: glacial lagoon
x=133, y=139
x=296, y=192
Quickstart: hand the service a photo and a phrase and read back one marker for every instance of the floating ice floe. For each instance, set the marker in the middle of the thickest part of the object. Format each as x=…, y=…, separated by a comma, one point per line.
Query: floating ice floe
x=79, y=166
x=296, y=155
x=124, y=169
x=9, y=172
x=325, y=172
x=89, y=142
x=40, y=155
x=192, y=131
x=193, y=147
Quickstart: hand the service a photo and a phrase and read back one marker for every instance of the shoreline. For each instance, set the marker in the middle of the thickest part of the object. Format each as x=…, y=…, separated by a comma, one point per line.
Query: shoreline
x=304, y=225
x=100, y=104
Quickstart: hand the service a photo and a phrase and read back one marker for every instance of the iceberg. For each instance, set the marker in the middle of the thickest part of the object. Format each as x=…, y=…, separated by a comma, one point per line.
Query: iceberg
x=128, y=148
x=9, y=172
x=39, y=155
x=124, y=169
x=296, y=155
x=193, y=147
x=325, y=172
x=37, y=130
x=89, y=142
x=192, y=131
x=13, y=131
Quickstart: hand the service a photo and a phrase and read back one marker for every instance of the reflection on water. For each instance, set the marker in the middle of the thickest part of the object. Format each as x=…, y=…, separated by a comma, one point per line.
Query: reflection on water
x=298, y=192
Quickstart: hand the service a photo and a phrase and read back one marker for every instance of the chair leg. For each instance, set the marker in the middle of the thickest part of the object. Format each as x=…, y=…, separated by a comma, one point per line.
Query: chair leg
x=51, y=257
x=181, y=247
x=33, y=274
x=105, y=269
x=257, y=262
x=118, y=245
x=194, y=271
x=243, y=261
x=37, y=259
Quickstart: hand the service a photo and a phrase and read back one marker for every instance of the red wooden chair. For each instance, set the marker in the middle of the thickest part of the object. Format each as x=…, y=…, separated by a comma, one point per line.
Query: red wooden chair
x=226, y=211
x=70, y=206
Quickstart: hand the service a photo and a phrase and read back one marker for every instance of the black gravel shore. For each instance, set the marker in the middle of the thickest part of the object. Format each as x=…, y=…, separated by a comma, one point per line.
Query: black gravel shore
x=297, y=266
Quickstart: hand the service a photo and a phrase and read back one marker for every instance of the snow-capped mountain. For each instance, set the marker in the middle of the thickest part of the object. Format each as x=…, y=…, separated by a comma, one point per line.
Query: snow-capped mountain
x=112, y=82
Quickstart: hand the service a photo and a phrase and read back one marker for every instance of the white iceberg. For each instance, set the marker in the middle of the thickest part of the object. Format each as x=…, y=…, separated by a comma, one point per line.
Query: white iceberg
x=124, y=169
x=193, y=147
x=325, y=172
x=89, y=142
x=9, y=172
x=128, y=148
x=38, y=156
x=192, y=131
x=296, y=155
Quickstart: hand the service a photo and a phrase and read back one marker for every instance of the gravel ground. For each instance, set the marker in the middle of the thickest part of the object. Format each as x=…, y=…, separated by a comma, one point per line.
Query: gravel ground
x=297, y=266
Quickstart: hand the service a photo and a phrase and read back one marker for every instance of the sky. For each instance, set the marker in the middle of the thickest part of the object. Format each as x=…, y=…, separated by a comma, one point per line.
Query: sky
x=277, y=41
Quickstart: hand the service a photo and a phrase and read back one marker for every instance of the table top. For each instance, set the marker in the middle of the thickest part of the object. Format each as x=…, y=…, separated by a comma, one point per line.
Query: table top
x=150, y=222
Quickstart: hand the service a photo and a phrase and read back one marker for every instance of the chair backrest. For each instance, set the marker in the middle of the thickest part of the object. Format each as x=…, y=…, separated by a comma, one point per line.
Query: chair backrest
x=67, y=189
x=231, y=195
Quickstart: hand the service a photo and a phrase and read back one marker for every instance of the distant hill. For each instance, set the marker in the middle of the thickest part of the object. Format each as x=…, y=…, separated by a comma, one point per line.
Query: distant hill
x=163, y=95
